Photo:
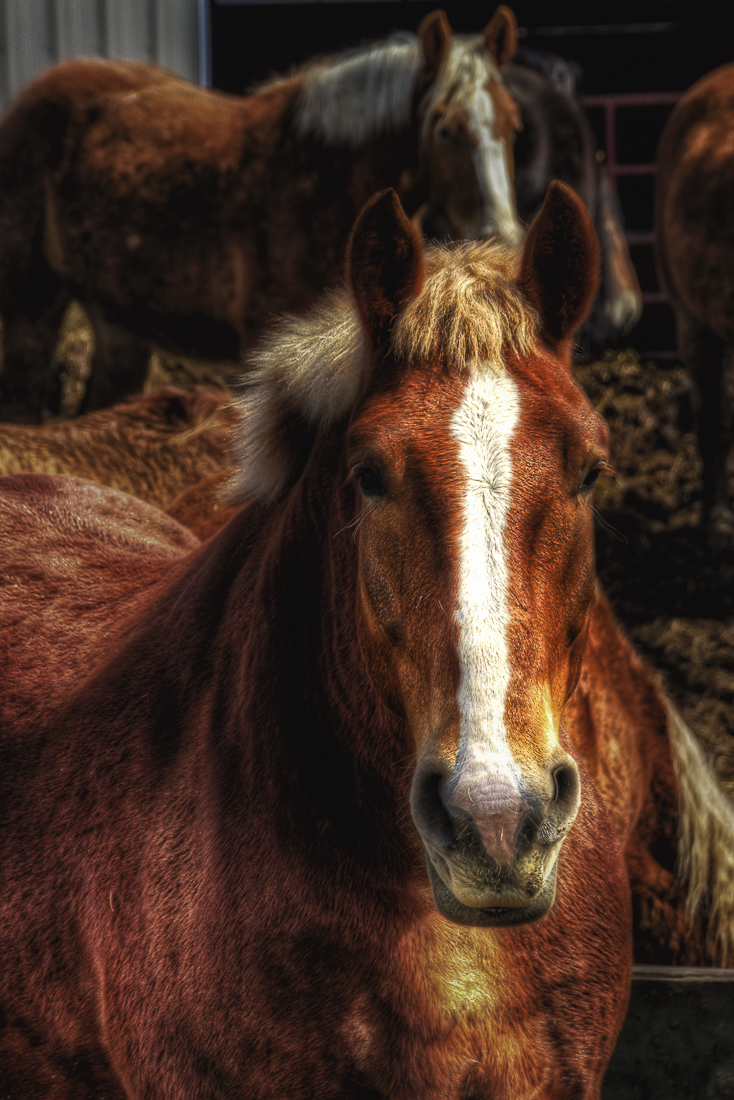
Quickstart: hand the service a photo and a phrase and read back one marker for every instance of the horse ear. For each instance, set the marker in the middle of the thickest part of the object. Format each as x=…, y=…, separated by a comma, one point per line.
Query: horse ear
x=560, y=264
x=500, y=36
x=434, y=34
x=384, y=264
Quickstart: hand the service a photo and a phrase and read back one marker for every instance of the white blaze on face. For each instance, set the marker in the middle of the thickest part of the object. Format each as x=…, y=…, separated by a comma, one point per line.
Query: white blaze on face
x=493, y=173
x=483, y=426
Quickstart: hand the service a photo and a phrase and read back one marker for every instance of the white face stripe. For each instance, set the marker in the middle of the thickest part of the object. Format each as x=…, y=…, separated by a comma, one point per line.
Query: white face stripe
x=493, y=173
x=462, y=82
x=483, y=426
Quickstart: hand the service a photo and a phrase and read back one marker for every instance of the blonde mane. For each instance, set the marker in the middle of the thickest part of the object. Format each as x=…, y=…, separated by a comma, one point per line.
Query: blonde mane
x=706, y=840
x=360, y=94
x=469, y=314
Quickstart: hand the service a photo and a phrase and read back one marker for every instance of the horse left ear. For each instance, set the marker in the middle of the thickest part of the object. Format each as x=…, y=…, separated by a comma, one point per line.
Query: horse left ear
x=434, y=34
x=384, y=263
x=500, y=36
x=560, y=264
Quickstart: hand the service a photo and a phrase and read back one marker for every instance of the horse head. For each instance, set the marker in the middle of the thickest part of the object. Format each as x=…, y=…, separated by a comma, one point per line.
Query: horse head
x=443, y=379
x=468, y=130
x=474, y=456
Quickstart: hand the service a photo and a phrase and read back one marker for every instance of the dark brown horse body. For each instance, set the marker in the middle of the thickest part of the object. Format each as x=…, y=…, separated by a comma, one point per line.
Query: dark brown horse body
x=292, y=814
x=694, y=232
x=190, y=218
x=556, y=142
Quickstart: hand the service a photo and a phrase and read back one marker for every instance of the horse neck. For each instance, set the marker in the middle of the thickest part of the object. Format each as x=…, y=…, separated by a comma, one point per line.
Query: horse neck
x=387, y=157
x=317, y=736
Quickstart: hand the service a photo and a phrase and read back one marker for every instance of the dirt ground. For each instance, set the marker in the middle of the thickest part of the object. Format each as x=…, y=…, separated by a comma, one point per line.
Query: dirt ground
x=672, y=593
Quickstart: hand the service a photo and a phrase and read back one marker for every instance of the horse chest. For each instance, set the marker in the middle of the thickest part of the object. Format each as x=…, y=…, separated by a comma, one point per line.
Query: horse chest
x=450, y=1024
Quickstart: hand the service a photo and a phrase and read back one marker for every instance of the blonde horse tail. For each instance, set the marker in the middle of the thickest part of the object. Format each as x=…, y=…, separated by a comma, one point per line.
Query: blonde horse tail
x=706, y=839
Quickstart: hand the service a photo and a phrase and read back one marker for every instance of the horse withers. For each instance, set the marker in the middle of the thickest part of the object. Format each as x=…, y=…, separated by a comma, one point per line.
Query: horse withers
x=191, y=218
x=694, y=239
x=294, y=813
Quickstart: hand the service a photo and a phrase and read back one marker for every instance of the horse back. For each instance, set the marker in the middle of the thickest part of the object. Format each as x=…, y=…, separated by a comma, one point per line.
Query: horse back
x=77, y=561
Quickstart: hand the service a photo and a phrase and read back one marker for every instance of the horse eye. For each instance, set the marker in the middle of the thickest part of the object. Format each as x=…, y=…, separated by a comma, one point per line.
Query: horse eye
x=443, y=133
x=369, y=481
x=589, y=481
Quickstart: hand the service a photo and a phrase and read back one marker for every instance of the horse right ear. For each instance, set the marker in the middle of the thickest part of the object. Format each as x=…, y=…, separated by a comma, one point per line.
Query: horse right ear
x=560, y=265
x=434, y=34
x=500, y=36
x=384, y=263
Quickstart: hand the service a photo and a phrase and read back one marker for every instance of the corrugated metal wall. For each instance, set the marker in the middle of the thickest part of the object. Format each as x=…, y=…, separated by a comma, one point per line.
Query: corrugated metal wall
x=36, y=33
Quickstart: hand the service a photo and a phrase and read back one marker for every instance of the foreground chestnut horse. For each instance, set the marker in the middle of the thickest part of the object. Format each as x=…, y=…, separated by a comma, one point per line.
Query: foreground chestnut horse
x=694, y=232
x=190, y=218
x=293, y=813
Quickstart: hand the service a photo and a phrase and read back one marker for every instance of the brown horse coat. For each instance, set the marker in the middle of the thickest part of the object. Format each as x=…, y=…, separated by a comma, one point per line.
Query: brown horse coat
x=154, y=446
x=694, y=238
x=217, y=808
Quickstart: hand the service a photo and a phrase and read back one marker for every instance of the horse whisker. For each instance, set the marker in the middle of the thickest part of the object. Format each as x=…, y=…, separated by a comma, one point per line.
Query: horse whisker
x=609, y=529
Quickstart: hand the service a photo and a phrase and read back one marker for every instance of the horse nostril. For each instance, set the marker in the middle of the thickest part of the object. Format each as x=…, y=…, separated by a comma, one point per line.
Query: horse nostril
x=566, y=780
x=527, y=833
x=428, y=809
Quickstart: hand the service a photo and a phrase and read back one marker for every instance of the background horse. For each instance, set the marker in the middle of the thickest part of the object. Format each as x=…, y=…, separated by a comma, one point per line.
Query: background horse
x=190, y=218
x=555, y=141
x=154, y=446
x=296, y=801
x=694, y=238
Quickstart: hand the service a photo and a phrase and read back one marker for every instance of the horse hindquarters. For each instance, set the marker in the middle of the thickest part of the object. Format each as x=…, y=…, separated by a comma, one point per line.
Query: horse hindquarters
x=694, y=247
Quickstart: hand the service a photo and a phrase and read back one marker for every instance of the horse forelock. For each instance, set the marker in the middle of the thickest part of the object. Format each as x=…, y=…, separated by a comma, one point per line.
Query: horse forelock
x=470, y=311
x=360, y=94
x=467, y=67
x=469, y=314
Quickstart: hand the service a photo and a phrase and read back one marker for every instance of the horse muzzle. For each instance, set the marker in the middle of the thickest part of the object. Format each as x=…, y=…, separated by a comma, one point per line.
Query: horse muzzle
x=492, y=846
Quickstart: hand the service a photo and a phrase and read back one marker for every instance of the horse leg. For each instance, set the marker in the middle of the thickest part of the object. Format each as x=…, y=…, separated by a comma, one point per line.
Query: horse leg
x=119, y=364
x=32, y=312
x=703, y=353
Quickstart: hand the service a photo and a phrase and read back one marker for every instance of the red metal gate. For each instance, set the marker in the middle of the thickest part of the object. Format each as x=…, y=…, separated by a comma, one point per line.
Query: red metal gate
x=609, y=104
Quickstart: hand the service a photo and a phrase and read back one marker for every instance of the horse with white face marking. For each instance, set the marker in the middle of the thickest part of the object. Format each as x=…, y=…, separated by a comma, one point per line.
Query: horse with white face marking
x=468, y=133
x=281, y=812
x=189, y=219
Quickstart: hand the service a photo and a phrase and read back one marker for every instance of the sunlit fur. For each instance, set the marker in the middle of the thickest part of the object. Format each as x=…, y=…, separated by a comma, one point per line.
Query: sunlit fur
x=469, y=311
x=356, y=95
